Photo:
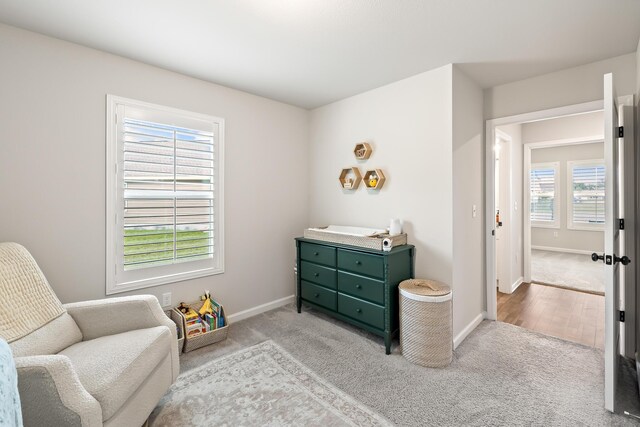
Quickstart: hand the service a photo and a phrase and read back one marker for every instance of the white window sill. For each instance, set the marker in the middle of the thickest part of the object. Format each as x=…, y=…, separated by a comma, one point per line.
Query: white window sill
x=543, y=225
x=162, y=280
x=586, y=228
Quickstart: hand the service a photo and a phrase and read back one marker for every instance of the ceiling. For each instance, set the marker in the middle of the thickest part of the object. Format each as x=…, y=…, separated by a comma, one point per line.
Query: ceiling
x=313, y=52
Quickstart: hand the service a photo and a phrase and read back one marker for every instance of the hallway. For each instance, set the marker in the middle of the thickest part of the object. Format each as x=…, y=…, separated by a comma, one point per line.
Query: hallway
x=570, y=315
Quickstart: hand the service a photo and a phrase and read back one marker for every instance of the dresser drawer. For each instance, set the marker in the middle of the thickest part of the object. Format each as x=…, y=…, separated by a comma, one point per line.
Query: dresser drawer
x=318, y=295
x=361, y=263
x=360, y=310
x=318, y=274
x=318, y=254
x=361, y=287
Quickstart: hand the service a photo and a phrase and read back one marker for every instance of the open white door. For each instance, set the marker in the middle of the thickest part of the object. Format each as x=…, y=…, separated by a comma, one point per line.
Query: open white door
x=612, y=246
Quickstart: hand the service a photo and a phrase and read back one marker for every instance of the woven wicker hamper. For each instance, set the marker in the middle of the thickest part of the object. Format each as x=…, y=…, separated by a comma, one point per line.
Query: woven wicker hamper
x=425, y=322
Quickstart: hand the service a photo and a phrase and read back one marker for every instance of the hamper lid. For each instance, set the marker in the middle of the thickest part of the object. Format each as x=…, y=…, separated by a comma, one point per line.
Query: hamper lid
x=424, y=290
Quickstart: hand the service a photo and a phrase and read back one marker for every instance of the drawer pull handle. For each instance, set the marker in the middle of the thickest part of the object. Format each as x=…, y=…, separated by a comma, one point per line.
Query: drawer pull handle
x=316, y=274
x=358, y=262
x=316, y=295
x=316, y=253
x=358, y=310
x=358, y=286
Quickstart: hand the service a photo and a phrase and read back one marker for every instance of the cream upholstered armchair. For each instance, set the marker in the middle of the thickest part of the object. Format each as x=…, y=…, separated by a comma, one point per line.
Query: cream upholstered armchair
x=105, y=362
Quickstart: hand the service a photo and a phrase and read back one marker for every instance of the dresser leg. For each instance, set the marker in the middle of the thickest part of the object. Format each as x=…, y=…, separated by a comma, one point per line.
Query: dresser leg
x=387, y=343
x=299, y=304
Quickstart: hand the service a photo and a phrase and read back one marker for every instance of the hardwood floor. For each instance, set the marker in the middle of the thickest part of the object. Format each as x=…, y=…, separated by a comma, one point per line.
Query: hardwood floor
x=563, y=313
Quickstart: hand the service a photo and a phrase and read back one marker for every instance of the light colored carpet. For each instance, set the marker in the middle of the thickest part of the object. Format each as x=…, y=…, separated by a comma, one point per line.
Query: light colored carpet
x=501, y=374
x=574, y=271
x=262, y=385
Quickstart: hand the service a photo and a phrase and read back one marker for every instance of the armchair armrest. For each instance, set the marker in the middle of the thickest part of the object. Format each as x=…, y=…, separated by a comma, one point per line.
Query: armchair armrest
x=51, y=393
x=116, y=315
x=112, y=316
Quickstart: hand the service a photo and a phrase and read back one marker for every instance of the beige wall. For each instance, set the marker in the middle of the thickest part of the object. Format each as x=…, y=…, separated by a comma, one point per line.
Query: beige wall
x=468, y=236
x=590, y=241
x=566, y=87
x=52, y=168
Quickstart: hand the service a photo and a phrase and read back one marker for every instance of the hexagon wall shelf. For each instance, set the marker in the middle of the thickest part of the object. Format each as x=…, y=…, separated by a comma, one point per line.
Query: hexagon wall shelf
x=374, y=179
x=350, y=178
x=362, y=151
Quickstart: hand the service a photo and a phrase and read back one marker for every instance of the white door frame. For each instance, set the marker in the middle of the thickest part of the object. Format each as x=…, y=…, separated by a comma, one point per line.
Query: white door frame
x=628, y=340
x=526, y=245
x=490, y=247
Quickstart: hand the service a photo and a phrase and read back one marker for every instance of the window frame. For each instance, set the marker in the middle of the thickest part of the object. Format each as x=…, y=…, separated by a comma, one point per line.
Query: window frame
x=170, y=273
x=570, y=224
x=556, y=195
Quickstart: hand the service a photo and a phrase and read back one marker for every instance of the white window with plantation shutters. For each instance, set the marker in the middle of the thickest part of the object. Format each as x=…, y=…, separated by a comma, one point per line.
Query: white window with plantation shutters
x=544, y=186
x=164, y=195
x=585, y=191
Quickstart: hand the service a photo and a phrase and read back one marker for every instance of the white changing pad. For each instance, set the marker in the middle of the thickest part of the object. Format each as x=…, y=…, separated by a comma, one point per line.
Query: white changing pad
x=350, y=230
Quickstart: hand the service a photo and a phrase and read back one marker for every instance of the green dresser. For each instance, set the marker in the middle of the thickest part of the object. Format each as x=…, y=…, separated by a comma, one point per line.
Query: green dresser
x=353, y=284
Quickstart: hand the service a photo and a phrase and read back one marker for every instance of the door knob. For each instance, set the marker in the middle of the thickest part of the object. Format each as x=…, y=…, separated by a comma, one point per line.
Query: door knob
x=624, y=260
x=358, y=262
x=595, y=257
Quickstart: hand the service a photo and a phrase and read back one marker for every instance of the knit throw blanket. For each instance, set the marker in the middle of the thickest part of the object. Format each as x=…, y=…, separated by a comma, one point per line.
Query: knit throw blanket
x=27, y=302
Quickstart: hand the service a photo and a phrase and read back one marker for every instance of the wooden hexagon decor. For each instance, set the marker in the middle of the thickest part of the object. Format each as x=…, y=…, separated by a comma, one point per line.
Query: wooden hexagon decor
x=374, y=179
x=350, y=178
x=362, y=151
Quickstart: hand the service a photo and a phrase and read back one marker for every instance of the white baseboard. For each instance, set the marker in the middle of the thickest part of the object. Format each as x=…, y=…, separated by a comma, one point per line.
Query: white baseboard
x=565, y=250
x=468, y=329
x=250, y=312
x=515, y=284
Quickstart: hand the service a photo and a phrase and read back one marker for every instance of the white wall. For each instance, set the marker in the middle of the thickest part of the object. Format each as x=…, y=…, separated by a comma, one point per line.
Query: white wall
x=566, y=87
x=426, y=136
x=579, y=126
x=408, y=124
x=510, y=251
x=637, y=237
x=52, y=168
x=468, y=171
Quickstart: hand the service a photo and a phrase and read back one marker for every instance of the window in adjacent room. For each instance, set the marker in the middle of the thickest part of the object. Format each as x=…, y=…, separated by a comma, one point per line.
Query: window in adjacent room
x=544, y=190
x=164, y=195
x=586, y=194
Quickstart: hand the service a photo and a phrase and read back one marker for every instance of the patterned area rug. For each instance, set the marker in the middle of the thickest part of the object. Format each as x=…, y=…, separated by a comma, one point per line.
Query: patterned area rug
x=262, y=385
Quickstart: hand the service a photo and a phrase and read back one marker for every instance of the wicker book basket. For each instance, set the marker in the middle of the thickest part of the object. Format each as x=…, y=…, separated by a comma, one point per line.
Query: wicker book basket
x=177, y=318
x=211, y=337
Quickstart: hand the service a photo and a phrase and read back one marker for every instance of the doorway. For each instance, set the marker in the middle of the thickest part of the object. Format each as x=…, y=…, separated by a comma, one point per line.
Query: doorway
x=544, y=280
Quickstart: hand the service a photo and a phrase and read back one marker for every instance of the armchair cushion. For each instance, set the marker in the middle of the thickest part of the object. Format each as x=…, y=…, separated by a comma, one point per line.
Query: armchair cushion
x=112, y=367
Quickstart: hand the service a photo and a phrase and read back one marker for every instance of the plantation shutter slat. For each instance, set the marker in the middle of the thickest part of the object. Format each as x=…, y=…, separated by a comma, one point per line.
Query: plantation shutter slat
x=168, y=189
x=587, y=183
x=542, y=188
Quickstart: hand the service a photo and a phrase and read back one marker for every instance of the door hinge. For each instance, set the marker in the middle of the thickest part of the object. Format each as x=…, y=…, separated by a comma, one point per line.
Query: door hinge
x=621, y=132
x=493, y=232
x=621, y=315
x=621, y=224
